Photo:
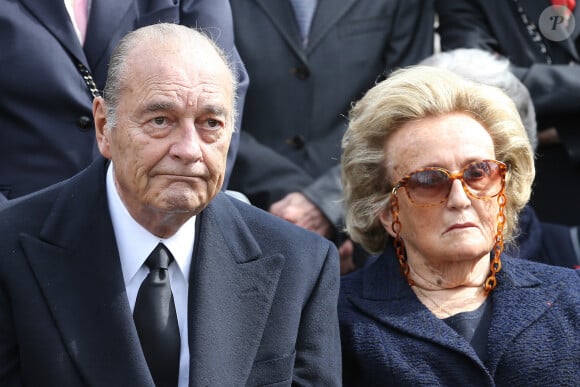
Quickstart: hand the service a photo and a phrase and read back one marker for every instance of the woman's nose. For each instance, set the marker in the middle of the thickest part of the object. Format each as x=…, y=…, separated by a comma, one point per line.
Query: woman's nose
x=458, y=197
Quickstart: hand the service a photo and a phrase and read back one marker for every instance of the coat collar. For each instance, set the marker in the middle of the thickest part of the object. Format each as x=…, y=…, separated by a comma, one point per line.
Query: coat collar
x=76, y=261
x=232, y=286
x=387, y=298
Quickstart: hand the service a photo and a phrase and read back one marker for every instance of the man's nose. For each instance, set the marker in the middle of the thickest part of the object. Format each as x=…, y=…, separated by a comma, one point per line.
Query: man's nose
x=187, y=143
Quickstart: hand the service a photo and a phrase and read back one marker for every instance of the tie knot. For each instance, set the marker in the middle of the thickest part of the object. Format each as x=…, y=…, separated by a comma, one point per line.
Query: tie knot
x=160, y=258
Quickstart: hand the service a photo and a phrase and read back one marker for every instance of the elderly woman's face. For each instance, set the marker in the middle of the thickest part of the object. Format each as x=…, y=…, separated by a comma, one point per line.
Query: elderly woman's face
x=462, y=228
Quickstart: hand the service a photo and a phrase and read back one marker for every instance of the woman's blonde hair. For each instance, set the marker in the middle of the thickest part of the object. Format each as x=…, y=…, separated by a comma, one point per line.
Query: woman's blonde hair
x=411, y=94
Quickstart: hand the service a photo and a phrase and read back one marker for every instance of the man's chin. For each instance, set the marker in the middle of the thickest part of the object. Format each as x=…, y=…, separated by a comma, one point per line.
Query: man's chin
x=183, y=202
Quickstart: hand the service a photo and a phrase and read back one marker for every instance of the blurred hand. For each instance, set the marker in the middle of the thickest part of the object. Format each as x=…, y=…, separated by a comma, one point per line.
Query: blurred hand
x=548, y=136
x=298, y=209
x=345, y=252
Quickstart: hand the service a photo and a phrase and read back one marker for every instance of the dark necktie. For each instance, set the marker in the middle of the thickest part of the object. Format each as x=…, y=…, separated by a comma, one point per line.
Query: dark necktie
x=156, y=320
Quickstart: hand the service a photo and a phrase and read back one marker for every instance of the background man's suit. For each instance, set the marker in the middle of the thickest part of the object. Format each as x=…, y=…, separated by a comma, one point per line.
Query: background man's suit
x=262, y=296
x=294, y=115
x=45, y=105
x=497, y=26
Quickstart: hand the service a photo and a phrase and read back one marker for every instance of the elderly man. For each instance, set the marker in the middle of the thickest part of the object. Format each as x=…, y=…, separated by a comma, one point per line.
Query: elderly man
x=139, y=272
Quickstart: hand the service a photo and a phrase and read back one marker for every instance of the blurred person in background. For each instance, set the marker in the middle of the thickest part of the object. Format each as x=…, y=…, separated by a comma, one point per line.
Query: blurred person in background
x=541, y=39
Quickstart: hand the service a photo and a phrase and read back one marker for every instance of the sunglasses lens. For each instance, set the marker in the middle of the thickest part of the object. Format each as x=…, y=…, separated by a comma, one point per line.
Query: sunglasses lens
x=428, y=186
x=483, y=178
x=431, y=186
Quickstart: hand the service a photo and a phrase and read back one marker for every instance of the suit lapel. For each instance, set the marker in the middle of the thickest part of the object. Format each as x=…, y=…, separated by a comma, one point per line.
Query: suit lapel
x=104, y=19
x=328, y=13
x=78, y=269
x=54, y=17
x=282, y=16
x=232, y=285
x=522, y=303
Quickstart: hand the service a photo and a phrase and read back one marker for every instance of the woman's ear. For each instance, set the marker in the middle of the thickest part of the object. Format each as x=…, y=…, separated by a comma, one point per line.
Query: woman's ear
x=386, y=218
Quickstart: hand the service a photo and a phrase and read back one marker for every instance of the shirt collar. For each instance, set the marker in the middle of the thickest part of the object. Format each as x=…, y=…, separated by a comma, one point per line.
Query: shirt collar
x=135, y=243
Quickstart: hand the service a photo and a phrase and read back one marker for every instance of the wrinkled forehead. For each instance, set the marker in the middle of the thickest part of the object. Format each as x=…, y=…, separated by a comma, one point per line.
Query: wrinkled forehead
x=191, y=51
x=187, y=63
x=449, y=141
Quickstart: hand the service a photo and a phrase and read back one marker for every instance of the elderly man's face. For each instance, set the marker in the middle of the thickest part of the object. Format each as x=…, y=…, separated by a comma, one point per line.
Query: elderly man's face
x=174, y=123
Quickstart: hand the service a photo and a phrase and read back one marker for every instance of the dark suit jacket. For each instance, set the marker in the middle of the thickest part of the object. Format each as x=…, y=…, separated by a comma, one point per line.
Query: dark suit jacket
x=391, y=339
x=298, y=99
x=495, y=25
x=45, y=106
x=262, y=296
x=554, y=244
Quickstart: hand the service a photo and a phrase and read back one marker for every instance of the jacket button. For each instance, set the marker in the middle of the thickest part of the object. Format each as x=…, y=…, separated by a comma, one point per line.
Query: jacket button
x=85, y=123
x=296, y=142
x=301, y=72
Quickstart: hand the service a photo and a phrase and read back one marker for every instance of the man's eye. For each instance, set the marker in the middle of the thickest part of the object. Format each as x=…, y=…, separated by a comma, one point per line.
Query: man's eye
x=213, y=123
x=159, y=120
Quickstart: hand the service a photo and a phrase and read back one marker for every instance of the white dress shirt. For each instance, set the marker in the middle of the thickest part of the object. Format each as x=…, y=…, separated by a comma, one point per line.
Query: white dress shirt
x=135, y=244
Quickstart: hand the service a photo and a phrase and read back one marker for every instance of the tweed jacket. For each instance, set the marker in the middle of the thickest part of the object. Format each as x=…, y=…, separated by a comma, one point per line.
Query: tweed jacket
x=389, y=338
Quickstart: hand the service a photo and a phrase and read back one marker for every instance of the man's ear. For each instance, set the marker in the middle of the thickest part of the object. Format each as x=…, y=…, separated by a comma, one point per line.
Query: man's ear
x=101, y=132
x=386, y=218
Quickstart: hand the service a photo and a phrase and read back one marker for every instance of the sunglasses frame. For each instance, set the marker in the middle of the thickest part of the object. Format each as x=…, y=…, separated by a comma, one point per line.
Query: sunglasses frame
x=502, y=170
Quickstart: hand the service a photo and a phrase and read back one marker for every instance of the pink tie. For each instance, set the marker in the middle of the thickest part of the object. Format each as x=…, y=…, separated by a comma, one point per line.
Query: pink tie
x=80, y=8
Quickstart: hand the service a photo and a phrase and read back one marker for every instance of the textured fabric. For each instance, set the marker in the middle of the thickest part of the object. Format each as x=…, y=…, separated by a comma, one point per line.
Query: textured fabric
x=474, y=327
x=390, y=338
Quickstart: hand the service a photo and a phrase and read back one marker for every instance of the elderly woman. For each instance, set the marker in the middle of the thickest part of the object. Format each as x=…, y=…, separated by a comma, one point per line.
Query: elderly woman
x=435, y=170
